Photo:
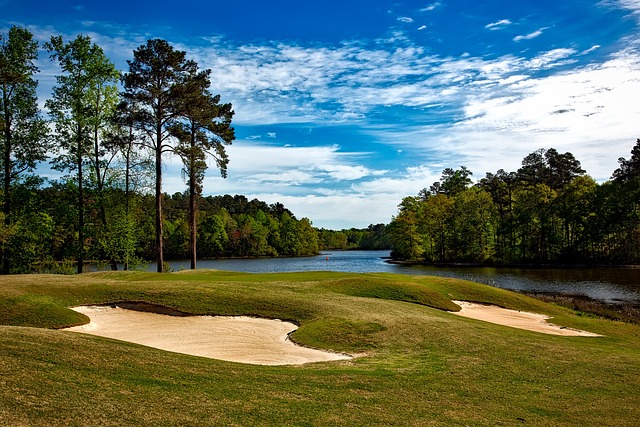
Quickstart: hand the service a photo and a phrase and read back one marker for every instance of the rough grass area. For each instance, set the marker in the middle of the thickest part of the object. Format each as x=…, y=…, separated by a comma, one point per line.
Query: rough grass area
x=418, y=364
x=623, y=312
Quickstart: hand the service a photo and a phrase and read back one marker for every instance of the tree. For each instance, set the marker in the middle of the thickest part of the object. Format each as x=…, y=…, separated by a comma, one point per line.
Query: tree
x=549, y=167
x=435, y=226
x=404, y=230
x=86, y=71
x=629, y=169
x=473, y=223
x=626, y=180
x=501, y=187
x=155, y=81
x=103, y=100
x=22, y=131
x=136, y=167
x=451, y=183
x=204, y=130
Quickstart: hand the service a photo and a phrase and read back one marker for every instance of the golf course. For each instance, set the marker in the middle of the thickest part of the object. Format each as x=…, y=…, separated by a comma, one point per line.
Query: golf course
x=407, y=354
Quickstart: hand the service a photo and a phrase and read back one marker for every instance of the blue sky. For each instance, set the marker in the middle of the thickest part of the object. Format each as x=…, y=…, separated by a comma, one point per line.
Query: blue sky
x=343, y=108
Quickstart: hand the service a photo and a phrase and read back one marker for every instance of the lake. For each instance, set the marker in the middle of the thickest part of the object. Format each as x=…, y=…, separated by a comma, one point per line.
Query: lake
x=610, y=284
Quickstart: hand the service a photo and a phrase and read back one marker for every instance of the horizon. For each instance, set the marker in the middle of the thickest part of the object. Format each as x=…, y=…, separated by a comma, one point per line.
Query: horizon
x=342, y=109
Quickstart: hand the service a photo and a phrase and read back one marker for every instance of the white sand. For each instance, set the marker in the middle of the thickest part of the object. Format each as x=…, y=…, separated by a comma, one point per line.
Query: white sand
x=516, y=319
x=236, y=339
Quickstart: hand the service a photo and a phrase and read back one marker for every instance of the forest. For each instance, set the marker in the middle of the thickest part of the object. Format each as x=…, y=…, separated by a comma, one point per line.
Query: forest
x=548, y=212
x=108, y=134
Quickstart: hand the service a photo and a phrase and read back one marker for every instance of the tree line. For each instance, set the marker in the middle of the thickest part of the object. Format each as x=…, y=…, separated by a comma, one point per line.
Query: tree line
x=549, y=211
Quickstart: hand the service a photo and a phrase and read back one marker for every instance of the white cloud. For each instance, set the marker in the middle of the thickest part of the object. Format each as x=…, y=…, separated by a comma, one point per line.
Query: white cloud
x=591, y=49
x=405, y=19
x=552, y=58
x=336, y=211
x=350, y=173
x=289, y=177
x=530, y=36
x=503, y=108
x=587, y=112
x=498, y=25
x=254, y=158
x=431, y=7
x=423, y=27
x=632, y=5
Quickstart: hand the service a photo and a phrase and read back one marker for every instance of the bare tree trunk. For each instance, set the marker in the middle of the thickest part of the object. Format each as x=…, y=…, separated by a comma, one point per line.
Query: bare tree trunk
x=126, y=197
x=80, y=207
x=7, y=181
x=100, y=182
x=159, y=218
x=192, y=216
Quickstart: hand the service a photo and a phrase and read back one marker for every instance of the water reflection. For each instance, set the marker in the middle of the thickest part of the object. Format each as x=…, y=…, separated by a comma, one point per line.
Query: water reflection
x=602, y=283
x=606, y=284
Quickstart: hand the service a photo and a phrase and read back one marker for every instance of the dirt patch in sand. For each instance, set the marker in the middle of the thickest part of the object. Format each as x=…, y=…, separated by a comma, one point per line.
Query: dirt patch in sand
x=231, y=338
x=516, y=319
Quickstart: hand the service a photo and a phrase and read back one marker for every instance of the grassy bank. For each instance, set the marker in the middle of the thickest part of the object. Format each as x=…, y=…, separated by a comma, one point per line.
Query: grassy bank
x=623, y=312
x=418, y=364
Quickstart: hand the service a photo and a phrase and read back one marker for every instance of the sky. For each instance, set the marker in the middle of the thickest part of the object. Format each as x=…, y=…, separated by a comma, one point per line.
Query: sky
x=342, y=108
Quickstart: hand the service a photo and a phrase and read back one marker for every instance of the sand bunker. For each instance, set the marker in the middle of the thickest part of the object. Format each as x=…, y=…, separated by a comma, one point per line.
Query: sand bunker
x=516, y=319
x=236, y=339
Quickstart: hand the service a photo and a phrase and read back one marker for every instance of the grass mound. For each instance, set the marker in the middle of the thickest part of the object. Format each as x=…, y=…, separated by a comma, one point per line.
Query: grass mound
x=40, y=311
x=374, y=287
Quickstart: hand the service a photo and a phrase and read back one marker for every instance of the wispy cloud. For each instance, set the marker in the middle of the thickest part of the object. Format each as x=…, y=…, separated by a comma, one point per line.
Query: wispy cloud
x=405, y=19
x=477, y=111
x=431, y=7
x=591, y=49
x=503, y=23
x=530, y=36
x=423, y=27
x=632, y=5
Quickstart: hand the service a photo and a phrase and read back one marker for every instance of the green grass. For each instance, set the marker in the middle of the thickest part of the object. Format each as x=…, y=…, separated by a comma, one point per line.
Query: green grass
x=419, y=364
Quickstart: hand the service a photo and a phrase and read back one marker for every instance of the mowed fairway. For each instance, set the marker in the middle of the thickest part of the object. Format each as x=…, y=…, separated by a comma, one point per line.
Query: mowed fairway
x=416, y=363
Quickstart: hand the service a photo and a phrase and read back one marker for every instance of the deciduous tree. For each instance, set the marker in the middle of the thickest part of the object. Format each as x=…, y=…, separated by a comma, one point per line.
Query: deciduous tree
x=22, y=130
x=86, y=75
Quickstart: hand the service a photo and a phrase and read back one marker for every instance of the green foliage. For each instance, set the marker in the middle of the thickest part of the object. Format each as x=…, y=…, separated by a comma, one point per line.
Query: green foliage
x=547, y=212
x=23, y=133
x=29, y=241
x=81, y=102
x=374, y=237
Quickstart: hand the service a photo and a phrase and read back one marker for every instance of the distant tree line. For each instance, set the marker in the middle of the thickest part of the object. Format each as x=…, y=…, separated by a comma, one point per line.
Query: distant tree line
x=373, y=237
x=547, y=212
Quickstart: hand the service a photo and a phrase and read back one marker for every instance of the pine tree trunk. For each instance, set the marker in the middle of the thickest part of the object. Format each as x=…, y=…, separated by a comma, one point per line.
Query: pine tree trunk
x=80, y=207
x=159, y=221
x=7, y=181
x=192, y=217
x=126, y=201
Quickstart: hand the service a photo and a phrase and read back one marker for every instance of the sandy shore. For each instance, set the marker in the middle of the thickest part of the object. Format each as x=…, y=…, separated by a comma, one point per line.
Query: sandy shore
x=236, y=339
x=516, y=319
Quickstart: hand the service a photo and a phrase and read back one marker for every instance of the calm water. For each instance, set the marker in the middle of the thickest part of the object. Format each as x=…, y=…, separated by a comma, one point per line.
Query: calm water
x=607, y=284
